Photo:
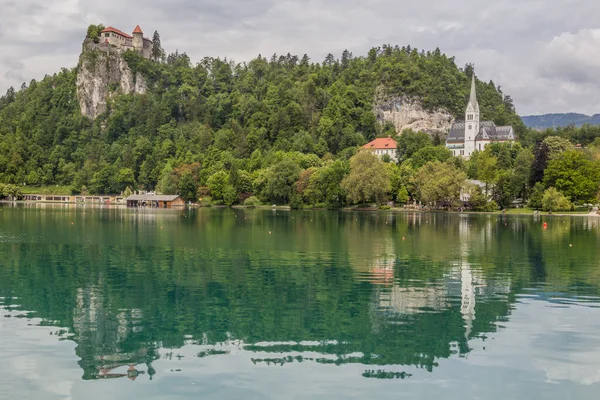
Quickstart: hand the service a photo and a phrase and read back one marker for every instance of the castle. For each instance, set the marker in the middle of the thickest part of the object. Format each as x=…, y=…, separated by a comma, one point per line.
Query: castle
x=466, y=137
x=136, y=42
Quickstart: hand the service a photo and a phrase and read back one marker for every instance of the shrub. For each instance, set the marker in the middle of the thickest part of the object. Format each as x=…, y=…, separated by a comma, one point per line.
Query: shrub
x=296, y=202
x=386, y=207
x=553, y=200
x=252, y=202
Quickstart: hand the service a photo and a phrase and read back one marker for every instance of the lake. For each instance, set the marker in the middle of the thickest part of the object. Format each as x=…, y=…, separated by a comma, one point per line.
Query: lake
x=107, y=302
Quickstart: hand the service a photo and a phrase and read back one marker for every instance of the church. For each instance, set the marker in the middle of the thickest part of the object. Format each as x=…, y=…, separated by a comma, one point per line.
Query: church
x=466, y=137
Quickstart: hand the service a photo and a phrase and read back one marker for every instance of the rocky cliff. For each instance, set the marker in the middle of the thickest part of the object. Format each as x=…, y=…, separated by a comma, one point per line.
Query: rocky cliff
x=406, y=113
x=101, y=74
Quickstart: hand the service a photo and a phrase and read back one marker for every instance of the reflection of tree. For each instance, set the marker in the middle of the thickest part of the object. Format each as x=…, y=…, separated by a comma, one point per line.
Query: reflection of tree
x=344, y=286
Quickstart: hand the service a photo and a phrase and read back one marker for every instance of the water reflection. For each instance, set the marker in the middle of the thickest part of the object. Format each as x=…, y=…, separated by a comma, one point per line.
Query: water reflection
x=391, y=294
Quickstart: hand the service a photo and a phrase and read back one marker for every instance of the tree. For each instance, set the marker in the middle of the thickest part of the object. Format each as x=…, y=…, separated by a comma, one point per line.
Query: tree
x=123, y=180
x=168, y=181
x=188, y=189
x=218, y=184
x=553, y=200
x=157, y=54
x=522, y=173
x=537, y=194
x=487, y=168
x=546, y=151
x=93, y=32
x=368, y=179
x=402, y=196
x=573, y=174
x=439, y=182
x=325, y=184
x=280, y=179
x=429, y=154
x=409, y=142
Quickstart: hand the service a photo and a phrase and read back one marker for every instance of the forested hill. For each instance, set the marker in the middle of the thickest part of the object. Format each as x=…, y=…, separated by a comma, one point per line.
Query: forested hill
x=216, y=115
x=560, y=120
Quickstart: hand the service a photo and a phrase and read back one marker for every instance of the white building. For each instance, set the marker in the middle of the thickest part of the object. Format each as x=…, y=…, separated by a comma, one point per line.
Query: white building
x=384, y=146
x=466, y=137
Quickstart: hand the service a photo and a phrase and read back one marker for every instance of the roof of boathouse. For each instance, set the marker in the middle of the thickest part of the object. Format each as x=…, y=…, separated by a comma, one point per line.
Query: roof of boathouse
x=152, y=197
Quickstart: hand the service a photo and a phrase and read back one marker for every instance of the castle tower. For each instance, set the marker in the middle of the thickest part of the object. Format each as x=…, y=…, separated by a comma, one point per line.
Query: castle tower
x=138, y=39
x=471, y=120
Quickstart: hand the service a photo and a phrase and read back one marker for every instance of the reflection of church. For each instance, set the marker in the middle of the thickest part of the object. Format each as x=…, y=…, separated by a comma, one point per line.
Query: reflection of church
x=461, y=285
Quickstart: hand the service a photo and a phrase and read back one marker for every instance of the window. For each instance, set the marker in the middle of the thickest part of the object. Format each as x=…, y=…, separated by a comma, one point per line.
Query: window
x=470, y=126
x=470, y=117
x=107, y=34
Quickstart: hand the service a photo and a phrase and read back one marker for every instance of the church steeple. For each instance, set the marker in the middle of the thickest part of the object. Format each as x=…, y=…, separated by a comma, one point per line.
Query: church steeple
x=473, y=98
x=471, y=120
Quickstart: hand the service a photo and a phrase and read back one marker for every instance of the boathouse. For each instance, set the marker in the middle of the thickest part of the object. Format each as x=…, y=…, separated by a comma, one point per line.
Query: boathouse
x=155, y=200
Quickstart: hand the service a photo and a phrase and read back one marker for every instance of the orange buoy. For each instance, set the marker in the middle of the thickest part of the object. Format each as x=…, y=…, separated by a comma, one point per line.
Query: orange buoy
x=545, y=225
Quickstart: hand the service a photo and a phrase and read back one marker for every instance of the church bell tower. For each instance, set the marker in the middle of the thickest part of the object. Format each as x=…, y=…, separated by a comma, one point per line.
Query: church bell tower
x=471, y=120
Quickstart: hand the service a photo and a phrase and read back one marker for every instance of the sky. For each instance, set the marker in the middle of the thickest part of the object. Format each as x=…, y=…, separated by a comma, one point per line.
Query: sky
x=545, y=54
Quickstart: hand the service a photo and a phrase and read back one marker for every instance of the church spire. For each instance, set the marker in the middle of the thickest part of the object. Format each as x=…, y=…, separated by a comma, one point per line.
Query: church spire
x=473, y=99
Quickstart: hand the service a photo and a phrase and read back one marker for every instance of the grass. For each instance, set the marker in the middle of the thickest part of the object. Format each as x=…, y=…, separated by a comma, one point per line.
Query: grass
x=60, y=190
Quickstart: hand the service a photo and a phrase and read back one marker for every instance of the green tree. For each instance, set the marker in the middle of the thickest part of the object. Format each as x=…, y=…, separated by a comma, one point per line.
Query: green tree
x=368, y=179
x=188, y=189
x=437, y=182
x=280, y=180
x=93, y=32
x=402, y=196
x=553, y=200
x=429, y=154
x=573, y=174
x=520, y=186
x=409, y=142
x=157, y=53
x=537, y=194
x=218, y=184
x=123, y=180
x=168, y=182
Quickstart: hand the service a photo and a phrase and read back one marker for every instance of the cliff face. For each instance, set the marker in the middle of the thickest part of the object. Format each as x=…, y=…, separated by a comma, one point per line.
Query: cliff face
x=407, y=113
x=102, y=73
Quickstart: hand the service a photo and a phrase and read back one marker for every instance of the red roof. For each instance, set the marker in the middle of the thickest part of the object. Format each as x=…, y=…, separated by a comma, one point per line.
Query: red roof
x=137, y=29
x=118, y=32
x=381, y=143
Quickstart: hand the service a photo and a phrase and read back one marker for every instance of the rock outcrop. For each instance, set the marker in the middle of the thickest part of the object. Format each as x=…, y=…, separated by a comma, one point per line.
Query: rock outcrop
x=103, y=73
x=406, y=113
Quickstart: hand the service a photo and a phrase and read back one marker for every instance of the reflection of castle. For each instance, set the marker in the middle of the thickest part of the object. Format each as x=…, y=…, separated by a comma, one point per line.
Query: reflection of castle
x=102, y=337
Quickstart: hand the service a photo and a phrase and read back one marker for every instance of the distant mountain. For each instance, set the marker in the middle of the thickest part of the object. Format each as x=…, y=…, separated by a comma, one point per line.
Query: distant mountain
x=557, y=120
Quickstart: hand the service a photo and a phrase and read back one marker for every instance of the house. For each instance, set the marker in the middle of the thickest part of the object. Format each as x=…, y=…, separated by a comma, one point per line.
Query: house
x=383, y=146
x=472, y=134
x=121, y=40
x=155, y=200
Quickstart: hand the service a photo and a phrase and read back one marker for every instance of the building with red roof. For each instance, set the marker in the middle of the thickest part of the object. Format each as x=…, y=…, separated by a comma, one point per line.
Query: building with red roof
x=121, y=40
x=383, y=146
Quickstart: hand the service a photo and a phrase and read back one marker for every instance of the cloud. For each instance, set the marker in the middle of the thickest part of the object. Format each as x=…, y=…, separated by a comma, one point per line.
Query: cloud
x=545, y=57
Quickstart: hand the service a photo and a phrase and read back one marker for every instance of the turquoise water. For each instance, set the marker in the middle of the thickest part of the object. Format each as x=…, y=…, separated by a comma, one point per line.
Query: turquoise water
x=105, y=302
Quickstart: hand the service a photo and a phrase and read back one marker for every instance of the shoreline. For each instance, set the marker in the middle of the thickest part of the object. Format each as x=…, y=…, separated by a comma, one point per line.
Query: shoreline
x=288, y=208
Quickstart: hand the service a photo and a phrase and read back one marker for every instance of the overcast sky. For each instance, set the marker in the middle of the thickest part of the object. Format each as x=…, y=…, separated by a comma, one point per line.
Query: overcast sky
x=544, y=53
